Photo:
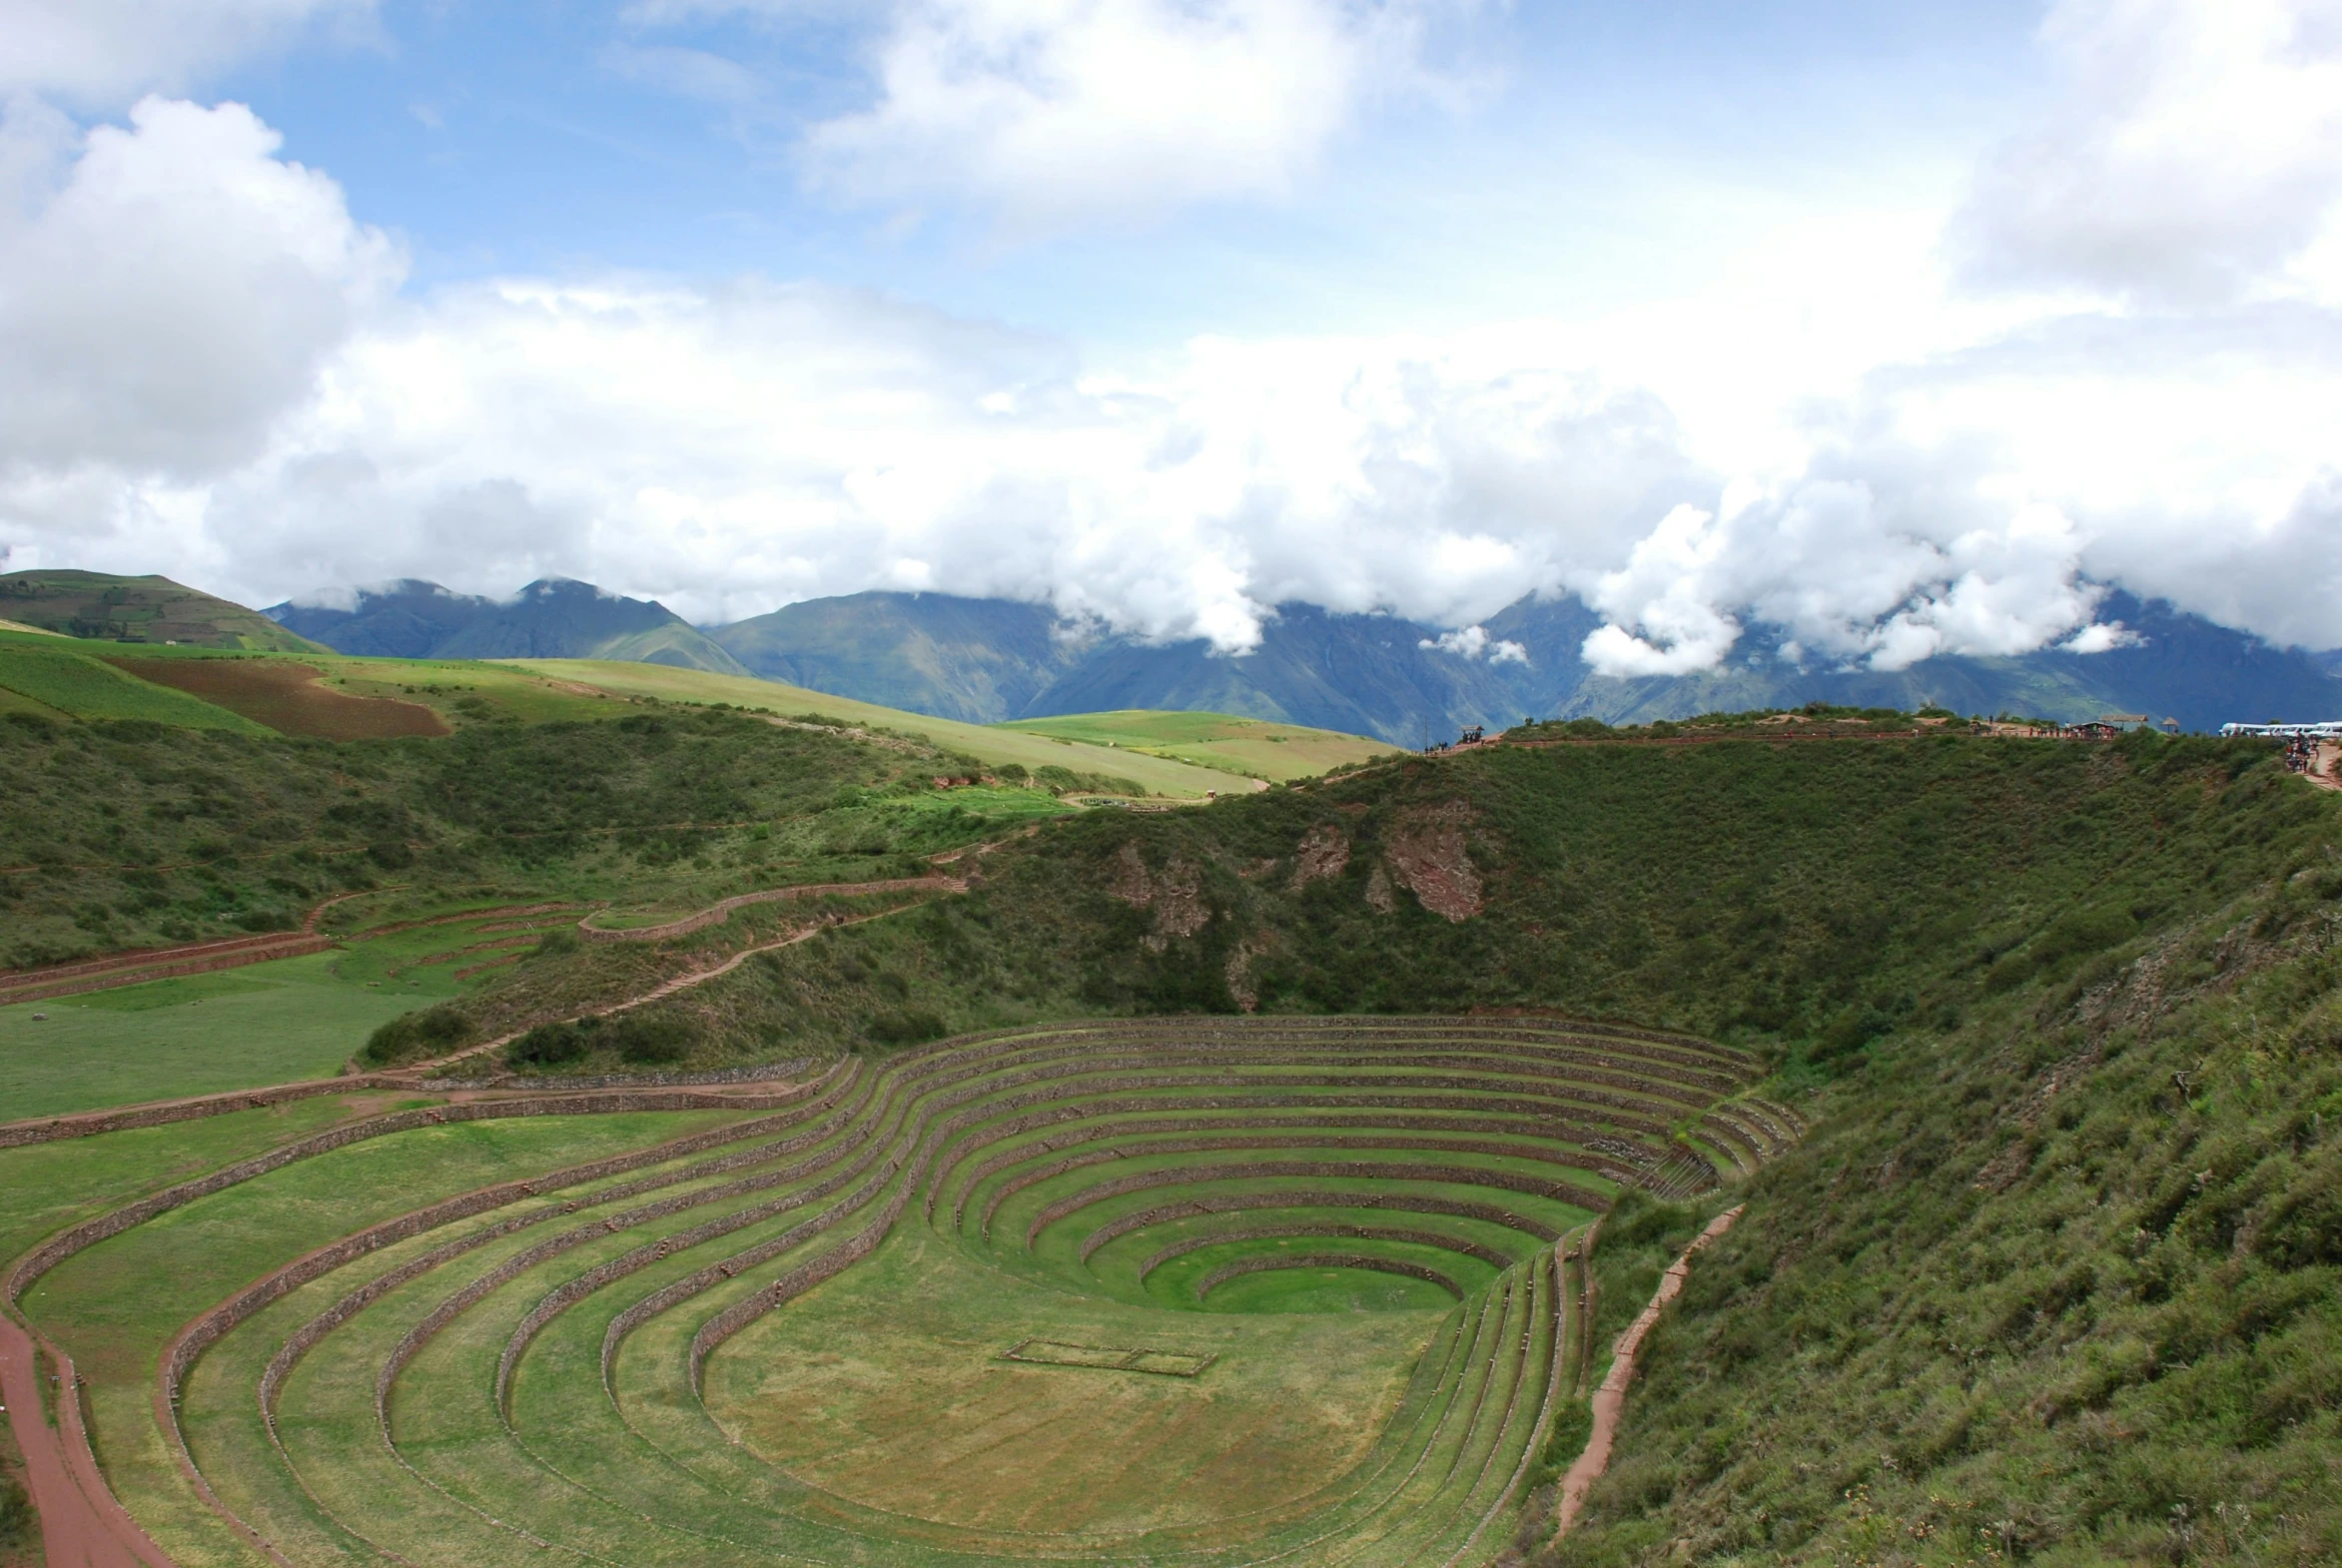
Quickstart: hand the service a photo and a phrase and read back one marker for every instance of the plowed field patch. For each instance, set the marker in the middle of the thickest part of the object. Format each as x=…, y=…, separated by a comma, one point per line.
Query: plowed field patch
x=287, y=698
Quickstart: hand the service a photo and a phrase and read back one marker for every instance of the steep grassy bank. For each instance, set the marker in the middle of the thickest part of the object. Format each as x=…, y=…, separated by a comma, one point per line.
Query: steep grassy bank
x=1810, y=899
x=2063, y=1285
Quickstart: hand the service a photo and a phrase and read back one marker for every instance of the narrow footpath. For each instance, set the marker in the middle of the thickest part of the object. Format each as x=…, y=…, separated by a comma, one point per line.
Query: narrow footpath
x=1610, y=1398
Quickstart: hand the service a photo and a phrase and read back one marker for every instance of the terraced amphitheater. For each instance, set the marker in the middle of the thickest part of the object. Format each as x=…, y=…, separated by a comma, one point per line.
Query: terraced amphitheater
x=1201, y=1291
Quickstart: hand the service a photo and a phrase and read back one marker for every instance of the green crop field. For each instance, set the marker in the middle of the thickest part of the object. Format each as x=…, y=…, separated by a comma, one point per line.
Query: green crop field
x=1260, y=748
x=62, y=679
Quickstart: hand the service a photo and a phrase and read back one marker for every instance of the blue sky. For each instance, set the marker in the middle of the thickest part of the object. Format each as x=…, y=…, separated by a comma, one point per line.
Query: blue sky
x=1903, y=329
x=1590, y=149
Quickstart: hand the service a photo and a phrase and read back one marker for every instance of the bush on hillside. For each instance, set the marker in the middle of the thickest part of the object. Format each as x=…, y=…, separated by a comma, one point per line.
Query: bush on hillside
x=910, y=1027
x=633, y=1040
x=16, y=1515
x=415, y=1037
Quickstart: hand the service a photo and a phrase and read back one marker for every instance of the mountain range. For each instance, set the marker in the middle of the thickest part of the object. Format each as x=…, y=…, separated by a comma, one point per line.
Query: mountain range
x=987, y=660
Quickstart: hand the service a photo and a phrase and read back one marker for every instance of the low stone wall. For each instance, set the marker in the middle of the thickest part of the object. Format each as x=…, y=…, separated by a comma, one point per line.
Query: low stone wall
x=1246, y=1203
x=32, y=989
x=1087, y=1156
x=1328, y=1227
x=87, y=1233
x=87, y=1123
x=1381, y=1266
x=1106, y=1126
x=1353, y=1170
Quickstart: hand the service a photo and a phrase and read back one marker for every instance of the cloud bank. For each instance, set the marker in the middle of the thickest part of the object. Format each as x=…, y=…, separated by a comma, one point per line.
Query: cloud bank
x=208, y=367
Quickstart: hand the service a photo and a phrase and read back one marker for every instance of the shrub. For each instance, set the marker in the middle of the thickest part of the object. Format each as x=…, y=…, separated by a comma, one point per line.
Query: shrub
x=909, y=1027
x=16, y=1515
x=650, y=1040
x=638, y=1041
x=553, y=1045
x=429, y=1032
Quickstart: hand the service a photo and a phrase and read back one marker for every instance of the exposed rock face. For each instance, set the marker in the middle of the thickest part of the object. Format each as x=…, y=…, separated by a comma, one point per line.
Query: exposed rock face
x=1239, y=976
x=1132, y=884
x=1176, y=894
x=1378, y=891
x=1427, y=851
x=1324, y=852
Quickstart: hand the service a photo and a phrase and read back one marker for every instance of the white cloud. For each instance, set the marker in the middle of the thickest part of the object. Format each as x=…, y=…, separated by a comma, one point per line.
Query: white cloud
x=2196, y=151
x=167, y=288
x=1849, y=585
x=1051, y=113
x=1473, y=643
x=104, y=53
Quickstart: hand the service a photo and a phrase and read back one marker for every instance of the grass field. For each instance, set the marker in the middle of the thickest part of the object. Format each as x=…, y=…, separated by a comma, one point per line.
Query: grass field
x=272, y=1022
x=540, y=1360
x=1257, y=747
x=990, y=744
x=65, y=680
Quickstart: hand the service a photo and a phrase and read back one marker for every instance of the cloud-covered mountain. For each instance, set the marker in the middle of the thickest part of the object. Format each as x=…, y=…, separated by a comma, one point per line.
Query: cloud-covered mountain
x=552, y=619
x=984, y=661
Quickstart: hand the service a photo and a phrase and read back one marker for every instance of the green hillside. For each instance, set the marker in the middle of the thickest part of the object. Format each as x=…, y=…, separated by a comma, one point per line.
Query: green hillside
x=2055, y=1278
x=996, y=746
x=2050, y=1274
x=41, y=675
x=128, y=832
x=95, y=605
x=1259, y=747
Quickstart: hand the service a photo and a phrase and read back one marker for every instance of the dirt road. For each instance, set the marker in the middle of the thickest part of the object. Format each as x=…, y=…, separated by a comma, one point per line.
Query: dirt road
x=81, y=1526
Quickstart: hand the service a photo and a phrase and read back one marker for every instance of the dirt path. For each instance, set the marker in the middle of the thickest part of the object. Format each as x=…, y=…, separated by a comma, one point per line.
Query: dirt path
x=2325, y=768
x=721, y=909
x=1610, y=1398
x=81, y=1526
x=412, y=1076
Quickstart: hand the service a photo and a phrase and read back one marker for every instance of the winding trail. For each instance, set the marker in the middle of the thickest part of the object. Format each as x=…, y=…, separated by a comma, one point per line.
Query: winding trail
x=1610, y=1398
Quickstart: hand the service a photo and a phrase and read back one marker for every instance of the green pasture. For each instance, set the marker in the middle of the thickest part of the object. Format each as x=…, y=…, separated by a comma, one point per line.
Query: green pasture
x=1258, y=748
x=113, y=1306
x=885, y=1386
x=61, y=679
x=278, y=1021
x=272, y=1022
x=990, y=744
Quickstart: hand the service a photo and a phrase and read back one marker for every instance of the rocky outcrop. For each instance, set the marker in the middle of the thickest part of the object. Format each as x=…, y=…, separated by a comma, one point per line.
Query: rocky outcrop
x=1175, y=894
x=1427, y=854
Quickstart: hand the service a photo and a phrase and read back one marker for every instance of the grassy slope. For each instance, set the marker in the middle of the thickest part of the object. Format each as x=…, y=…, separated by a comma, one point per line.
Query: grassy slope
x=96, y=604
x=990, y=744
x=133, y=835
x=1818, y=894
x=2063, y=1285
x=2020, y=1283
x=60, y=679
x=1257, y=747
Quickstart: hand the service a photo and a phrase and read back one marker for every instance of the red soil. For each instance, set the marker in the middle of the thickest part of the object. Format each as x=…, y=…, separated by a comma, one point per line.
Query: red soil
x=287, y=698
x=1610, y=1398
x=81, y=1526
